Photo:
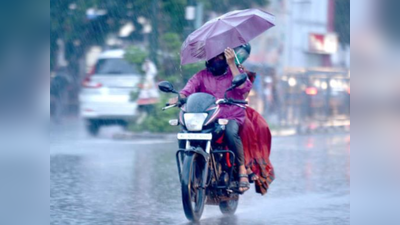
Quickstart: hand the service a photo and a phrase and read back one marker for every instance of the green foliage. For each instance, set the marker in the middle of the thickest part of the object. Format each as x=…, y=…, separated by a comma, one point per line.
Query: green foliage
x=173, y=15
x=223, y=6
x=157, y=120
x=70, y=23
x=171, y=70
x=171, y=42
x=170, y=66
x=134, y=95
x=190, y=69
x=78, y=32
x=135, y=55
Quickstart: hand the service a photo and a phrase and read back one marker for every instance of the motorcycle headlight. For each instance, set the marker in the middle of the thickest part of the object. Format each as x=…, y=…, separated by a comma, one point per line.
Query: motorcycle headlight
x=194, y=121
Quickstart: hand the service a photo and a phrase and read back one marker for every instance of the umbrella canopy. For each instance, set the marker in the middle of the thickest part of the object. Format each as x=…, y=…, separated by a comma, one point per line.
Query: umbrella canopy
x=229, y=30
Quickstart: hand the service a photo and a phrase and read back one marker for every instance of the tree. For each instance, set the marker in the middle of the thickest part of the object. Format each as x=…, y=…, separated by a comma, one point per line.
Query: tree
x=223, y=6
x=70, y=23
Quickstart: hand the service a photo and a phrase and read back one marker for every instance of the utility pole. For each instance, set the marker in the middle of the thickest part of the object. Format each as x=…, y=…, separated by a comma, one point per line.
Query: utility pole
x=199, y=15
x=154, y=31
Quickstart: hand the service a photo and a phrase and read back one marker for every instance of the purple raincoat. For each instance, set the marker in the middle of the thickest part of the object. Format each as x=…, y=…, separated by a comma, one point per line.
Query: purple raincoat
x=204, y=81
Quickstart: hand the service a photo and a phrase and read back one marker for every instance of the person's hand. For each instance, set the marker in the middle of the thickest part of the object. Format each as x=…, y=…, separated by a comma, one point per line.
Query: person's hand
x=172, y=101
x=230, y=56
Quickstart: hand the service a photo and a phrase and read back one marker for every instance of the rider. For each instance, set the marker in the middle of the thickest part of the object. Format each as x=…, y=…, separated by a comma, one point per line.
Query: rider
x=214, y=80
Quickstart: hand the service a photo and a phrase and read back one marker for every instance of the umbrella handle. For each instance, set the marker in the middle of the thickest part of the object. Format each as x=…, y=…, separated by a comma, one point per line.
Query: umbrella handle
x=238, y=62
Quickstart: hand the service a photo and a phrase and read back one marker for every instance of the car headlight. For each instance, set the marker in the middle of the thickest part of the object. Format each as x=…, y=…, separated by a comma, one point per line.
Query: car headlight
x=194, y=121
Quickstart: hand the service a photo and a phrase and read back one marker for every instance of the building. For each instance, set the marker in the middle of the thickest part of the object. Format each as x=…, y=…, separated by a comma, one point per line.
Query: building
x=304, y=37
x=303, y=68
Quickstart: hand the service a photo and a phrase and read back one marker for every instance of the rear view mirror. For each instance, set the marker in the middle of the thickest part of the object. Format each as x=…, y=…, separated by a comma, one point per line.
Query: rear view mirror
x=239, y=80
x=236, y=82
x=166, y=86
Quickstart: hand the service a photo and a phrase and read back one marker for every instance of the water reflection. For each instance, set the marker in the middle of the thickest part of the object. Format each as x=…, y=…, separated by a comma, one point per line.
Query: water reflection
x=222, y=220
x=133, y=183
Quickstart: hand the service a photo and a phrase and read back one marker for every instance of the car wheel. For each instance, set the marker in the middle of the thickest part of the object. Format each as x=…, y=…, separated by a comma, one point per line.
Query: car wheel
x=93, y=127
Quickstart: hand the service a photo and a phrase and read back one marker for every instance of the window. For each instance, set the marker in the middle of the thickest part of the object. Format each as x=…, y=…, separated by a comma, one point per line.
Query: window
x=115, y=66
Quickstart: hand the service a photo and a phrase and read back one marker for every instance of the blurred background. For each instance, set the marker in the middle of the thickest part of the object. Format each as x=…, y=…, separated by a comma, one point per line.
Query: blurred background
x=107, y=57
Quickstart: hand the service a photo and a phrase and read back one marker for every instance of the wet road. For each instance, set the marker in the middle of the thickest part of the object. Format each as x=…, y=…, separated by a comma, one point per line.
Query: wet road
x=104, y=181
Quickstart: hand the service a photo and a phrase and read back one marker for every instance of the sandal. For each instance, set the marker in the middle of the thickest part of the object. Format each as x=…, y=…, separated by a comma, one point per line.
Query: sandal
x=243, y=184
x=252, y=176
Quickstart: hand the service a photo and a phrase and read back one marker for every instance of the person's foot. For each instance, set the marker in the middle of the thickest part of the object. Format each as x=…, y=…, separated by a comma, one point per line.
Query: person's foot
x=252, y=176
x=244, y=184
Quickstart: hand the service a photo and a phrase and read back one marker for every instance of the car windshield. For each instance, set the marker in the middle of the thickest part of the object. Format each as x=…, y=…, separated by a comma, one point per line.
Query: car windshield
x=114, y=66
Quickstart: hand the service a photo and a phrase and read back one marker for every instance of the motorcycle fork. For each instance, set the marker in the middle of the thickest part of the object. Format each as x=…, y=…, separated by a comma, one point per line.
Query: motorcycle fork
x=180, y=154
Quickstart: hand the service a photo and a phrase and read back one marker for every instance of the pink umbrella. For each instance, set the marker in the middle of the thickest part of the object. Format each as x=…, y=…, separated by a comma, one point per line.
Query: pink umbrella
x=229, y=30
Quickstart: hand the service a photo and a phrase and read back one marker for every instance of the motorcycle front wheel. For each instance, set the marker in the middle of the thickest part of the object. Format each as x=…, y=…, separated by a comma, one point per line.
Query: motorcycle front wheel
x=193, y=194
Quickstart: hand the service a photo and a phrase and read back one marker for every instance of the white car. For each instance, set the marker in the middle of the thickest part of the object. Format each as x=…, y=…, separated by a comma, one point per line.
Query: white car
x=106, y=95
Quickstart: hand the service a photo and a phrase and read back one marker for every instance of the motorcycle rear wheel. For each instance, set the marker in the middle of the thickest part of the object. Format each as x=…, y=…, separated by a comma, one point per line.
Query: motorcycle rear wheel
x=229, y=207
x=193, y=195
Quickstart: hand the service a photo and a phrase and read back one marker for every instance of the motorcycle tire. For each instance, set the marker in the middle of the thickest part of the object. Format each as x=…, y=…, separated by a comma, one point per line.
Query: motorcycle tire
x=193, y=195
x=229, y=207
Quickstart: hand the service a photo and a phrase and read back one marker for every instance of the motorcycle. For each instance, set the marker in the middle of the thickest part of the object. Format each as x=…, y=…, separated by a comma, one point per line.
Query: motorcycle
x=206, y=167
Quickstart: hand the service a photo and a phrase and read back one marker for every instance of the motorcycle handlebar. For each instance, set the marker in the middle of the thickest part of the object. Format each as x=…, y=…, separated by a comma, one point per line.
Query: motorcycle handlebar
x=178, y=104
x=169, y=106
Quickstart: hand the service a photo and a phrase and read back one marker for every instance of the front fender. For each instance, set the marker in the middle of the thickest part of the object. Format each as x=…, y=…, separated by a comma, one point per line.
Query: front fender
x=181, y=153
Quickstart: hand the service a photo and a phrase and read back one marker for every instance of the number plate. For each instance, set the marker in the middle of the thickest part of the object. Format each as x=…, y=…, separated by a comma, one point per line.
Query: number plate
x=194, y=136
